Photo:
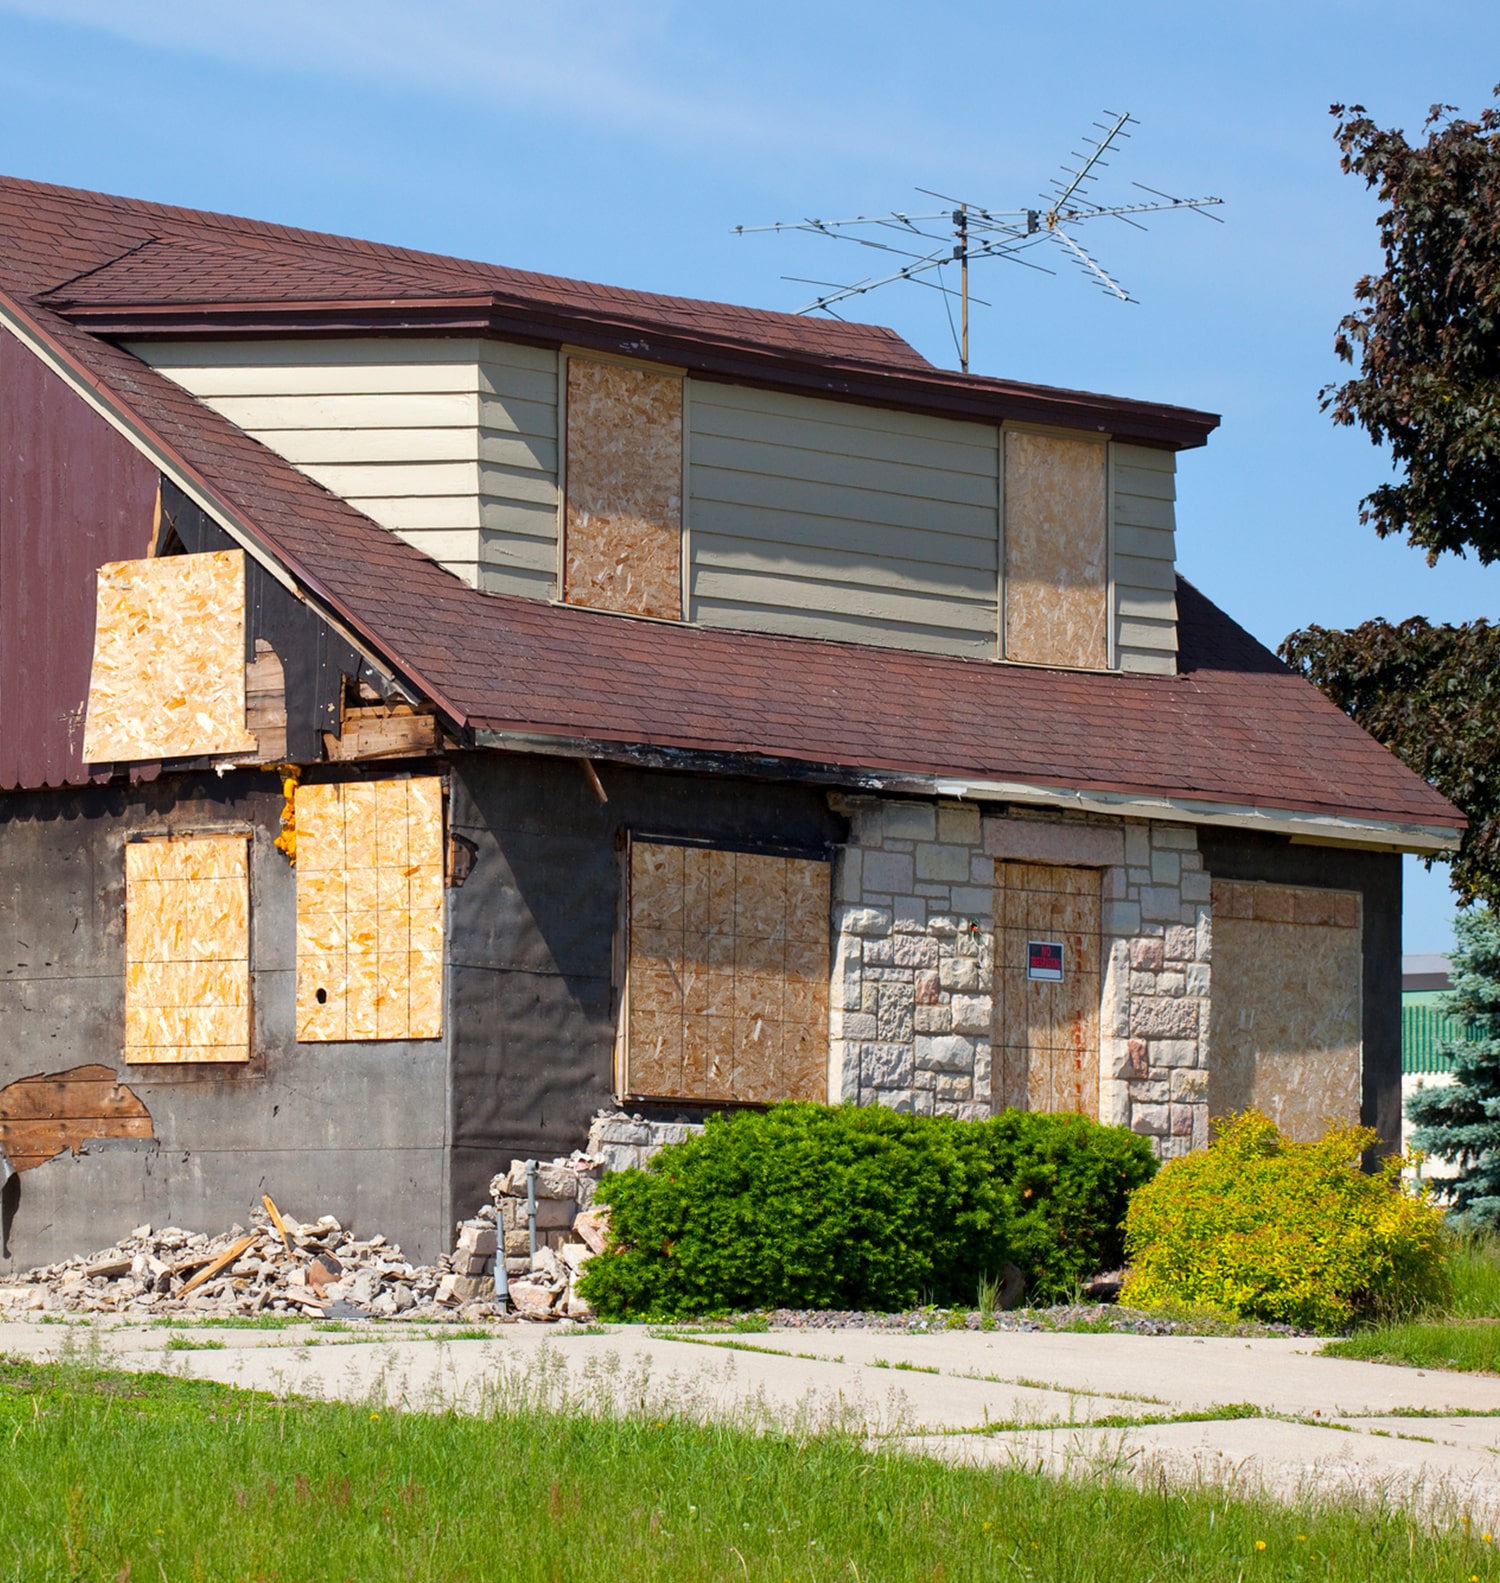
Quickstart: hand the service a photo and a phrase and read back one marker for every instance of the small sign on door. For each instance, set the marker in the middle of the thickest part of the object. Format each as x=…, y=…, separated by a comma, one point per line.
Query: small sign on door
x=1044, y=960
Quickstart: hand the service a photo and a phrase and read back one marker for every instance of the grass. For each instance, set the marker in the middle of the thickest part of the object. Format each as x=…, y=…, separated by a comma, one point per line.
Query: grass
x=109, y=1476
x=1463, y=1335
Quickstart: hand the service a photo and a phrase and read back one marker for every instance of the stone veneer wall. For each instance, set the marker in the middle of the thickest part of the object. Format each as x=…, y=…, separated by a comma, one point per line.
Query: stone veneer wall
x=911, y=1002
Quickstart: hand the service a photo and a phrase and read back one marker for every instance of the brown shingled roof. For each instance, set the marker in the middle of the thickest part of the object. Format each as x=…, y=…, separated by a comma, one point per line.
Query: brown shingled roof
x=126, y=268
x=1234, y=728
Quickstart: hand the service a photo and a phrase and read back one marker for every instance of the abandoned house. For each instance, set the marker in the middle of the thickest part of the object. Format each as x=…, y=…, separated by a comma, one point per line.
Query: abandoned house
x=439, y=701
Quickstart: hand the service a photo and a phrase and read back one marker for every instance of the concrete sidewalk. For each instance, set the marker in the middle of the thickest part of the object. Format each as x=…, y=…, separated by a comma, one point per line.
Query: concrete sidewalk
x=1065, y=1402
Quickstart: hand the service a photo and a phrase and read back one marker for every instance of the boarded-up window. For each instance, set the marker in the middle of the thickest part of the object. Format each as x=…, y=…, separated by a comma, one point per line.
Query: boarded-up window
x=623, y=542
x=370, y=910
x=1285, y=1030
x=187, y=949
x=1046, y=1037
x=168, y=677
x=1056, y=550
x=727, y=991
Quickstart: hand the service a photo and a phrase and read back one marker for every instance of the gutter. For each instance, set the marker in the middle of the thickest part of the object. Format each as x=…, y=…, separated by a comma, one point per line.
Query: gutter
x=1386, y=835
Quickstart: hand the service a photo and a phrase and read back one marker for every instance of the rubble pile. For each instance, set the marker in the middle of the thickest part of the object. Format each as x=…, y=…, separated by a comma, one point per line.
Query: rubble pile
x=541, y=1220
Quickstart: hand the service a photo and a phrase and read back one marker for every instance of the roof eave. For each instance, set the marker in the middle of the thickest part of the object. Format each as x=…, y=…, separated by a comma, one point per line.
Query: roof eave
x=937, y=392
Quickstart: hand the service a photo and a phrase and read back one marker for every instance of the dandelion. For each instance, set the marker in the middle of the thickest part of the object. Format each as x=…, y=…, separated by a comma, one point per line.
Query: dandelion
x=1488, y=1538
x=1260, y=1544
x=988, y=1526
x=374, y=1418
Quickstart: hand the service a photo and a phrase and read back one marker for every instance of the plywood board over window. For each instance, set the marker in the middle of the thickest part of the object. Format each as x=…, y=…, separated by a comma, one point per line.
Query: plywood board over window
x=1056, y=550
x=1046, y=1035
x=1285, y=1030
x=727, y=990
x=168, y=675
x=370, y=910
x=187, y=949
x=623, y=531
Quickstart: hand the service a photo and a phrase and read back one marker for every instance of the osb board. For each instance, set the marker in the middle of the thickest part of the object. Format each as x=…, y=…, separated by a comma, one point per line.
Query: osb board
x=1046, y=1035
x=370, y=910
x=42, y=1116
x=623, y=544
x=187, y=949
x=1056, y=550
x=168, y=677
x=728, y=975
x=1285, y=1030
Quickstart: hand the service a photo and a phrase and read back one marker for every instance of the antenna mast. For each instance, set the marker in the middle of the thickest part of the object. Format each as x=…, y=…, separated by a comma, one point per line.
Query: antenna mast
x=977, y=232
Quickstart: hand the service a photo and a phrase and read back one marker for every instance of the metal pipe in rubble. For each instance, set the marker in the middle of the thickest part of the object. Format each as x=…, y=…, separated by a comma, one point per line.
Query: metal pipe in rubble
x=531, y=1206
x=502, y=1280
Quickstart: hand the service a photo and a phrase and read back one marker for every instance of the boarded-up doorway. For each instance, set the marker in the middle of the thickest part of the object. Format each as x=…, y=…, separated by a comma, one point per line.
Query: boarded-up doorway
x=1046, y=1035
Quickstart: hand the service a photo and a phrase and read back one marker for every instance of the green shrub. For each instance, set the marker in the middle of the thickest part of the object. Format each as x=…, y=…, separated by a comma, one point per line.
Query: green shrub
x=1288, y=1232
x=816, y=1206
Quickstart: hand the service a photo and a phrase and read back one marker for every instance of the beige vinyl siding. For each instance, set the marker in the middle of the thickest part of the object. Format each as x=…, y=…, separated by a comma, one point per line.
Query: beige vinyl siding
x=1144, y=559
x=825, y=519
x=449, y=442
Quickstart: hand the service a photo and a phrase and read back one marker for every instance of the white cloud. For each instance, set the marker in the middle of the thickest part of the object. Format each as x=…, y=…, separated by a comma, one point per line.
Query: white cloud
x=634, y=67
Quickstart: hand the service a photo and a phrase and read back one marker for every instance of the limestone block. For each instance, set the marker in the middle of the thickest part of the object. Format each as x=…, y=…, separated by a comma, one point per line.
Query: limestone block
x=909, y=821
x=1178, y=837
x=958, y=973
x=1114, y=1102
x=1139, y=876
x=916, y=950
x=854, y=1025
x=1174, y=1052
x=619, y=1157
x=1139, y=1051
x=1121, y=917
x=891, y=1099
x=864, y=921
x=1189, y=1086
x=1182, y=1121
x=1199, y=980
x=1172, y=1148
x=1137, y=843
x=954, y=1087
x=1166, y=868
x=944, y=1053
x=848, y=884
x=1160, y=1018
x=1204, y=925
x=1057, y=841
x=880, y=953
x=1151, y=1120
x=883, y=1066
x=958, y=824
x=933, y=1019
x=972, y=1013
x=936, y=861
x=888, y=871
x=981, y=869
x=1146, y=955
x=1143, y=983
x=923, y=1103
x=910, y=915
x=1171, y=983
x=1151, y=1091
x=1195, y=887
x=894, y=1016
x=929, y=988
x=1161, y=902
x=616, y=1129
x=1181, y=944
x=1114, y=1058
x=942, y=924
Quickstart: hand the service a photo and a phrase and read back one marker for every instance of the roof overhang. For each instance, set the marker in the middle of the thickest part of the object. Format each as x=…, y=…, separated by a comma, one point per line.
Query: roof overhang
x=934, y=391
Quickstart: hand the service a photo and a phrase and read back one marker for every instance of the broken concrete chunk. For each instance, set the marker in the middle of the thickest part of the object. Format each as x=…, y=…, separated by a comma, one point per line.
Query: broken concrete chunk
x=531, y=1299
x=592, y=1228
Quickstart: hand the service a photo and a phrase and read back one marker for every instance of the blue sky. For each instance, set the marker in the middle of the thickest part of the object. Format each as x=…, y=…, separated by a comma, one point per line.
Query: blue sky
x=621, y=142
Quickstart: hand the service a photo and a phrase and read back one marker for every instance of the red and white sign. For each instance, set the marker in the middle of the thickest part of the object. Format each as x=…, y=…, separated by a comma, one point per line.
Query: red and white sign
x=1044, y=961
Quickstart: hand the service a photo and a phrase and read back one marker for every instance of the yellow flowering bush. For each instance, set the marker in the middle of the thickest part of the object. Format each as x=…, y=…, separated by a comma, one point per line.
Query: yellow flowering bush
x=1287, y=1232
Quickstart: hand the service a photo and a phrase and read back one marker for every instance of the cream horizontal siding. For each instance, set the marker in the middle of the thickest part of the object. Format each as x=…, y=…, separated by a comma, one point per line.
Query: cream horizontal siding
x=450, y=442
x=1145, y=574
x=824, y=519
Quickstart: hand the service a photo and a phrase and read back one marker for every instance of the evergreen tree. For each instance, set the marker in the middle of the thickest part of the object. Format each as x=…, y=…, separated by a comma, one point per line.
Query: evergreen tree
x=1460, y=1122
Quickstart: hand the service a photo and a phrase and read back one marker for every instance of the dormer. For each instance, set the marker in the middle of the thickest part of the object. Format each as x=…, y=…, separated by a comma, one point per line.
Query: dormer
x=653, y=489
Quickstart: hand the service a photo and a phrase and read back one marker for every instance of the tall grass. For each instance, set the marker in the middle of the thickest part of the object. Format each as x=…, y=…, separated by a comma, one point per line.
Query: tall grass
x=113, y=1477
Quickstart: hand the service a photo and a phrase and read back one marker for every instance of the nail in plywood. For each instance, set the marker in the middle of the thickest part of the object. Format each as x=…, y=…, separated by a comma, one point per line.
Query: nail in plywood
x=1046, y=1034
x=168, y=676
x=728, y=975
x=1056, y=550
x=42, y=1116
x=370, y=910
x=187, y=950
x=623, y=545
x=1285, y=1031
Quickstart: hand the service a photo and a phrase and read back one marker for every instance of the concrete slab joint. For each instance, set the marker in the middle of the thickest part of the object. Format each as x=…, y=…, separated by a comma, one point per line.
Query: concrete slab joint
x=914, y=960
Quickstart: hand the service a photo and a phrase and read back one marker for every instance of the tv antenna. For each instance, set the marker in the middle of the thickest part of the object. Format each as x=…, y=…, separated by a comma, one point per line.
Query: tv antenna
x=976, y=232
